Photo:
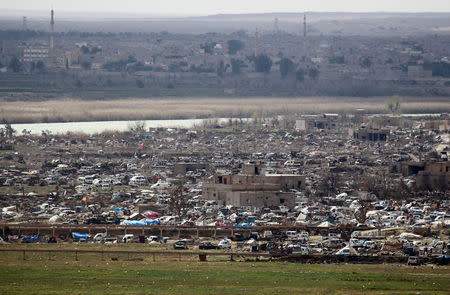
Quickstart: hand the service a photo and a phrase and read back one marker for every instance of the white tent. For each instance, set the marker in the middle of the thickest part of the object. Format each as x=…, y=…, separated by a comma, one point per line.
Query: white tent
x=55, y=219
x=325, y=224
x=301, y=217
x=409, y=236
x=347, y=250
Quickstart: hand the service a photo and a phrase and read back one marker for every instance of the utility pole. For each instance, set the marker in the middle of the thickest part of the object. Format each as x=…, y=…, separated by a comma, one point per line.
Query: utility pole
x=52, y=29
x=256, y=42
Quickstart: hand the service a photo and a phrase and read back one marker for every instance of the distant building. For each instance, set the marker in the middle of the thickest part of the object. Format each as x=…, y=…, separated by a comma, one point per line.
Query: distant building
x=432, y=175
x=418, y=72
x=31, y=54
x=312, y=122
x=367, y=132
x=441, y=125
x=253, y=188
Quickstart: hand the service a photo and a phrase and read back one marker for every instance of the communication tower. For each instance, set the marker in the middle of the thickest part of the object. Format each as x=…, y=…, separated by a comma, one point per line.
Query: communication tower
x=52, y=29
x=24, y=24
x=256, y=42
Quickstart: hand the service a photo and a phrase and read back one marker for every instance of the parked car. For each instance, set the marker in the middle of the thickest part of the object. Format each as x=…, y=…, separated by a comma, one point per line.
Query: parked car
x=208, y=246
x=225, y=244
x=99, y=237
x=180, y=245
x=110, y=240
x=413, y=260
x=153, y=239
x=267, y=234
x=138, y=180
x=128, y=238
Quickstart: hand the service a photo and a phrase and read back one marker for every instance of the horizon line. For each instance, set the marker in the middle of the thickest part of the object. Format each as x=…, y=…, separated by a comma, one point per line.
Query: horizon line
x=13, y=12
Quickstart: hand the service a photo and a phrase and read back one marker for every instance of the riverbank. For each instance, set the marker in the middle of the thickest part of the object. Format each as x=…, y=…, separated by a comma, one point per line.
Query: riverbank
x=76, y=110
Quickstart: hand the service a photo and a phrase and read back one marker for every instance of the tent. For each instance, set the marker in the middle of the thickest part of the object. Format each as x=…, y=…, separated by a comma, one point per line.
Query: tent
x=133, y=222
x=301, y=217
x=78, y=236
x=409, y=236
x=55, y=219
x=30, y=239
x=152, y=221
x=347, y=250
x=151, y=214
x=325, y=224
x=244, y=224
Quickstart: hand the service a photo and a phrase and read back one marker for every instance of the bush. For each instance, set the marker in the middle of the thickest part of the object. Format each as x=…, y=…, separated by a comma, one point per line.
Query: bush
x=139, y=83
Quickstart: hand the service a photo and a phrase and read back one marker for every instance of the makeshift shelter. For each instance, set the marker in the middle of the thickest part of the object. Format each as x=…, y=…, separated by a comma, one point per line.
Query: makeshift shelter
x=347, y=250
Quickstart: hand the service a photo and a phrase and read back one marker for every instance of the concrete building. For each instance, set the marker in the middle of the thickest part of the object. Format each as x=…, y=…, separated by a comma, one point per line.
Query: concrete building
x=31, y=54
x=253, y=188
x=441, y=125
x=432, y=175
x=368, y=132
x=311, y=122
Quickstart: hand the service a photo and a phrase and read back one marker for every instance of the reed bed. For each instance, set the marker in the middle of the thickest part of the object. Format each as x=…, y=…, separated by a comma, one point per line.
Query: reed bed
x=73, y=110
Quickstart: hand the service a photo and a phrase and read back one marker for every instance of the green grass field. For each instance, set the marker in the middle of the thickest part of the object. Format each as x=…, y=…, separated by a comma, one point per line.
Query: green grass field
x=41, y=273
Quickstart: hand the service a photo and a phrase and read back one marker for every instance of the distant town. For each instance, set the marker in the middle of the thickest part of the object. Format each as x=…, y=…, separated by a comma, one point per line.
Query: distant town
x=259, y=62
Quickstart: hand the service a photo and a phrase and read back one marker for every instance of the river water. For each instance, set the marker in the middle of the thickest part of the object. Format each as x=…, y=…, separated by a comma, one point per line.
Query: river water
x=102, y=126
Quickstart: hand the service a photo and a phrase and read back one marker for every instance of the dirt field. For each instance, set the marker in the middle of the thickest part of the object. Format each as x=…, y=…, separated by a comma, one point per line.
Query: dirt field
x=66, y=110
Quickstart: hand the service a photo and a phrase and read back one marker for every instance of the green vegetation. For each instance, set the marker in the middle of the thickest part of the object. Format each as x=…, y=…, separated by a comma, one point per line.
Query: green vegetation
x=15, y=65
x=119, y=274
x=208, y=47
x=139, y=83
x=393, y=104
x=365, y=62
x=286, y=67
x=236, y=66
x=234, y=46
x=263, y=63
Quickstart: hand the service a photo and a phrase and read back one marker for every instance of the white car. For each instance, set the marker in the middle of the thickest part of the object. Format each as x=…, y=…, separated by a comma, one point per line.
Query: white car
x=160, y=185
x=138, y=180
x=128, y=238
x=225, y=244
x=356, y=242
x=99, y=237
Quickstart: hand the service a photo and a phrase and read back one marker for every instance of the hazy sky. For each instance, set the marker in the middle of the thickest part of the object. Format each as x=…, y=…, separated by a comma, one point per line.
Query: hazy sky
x=203, y=7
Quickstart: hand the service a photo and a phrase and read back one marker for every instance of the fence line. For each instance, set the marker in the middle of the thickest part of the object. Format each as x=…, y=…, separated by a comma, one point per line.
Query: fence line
x=152, y=253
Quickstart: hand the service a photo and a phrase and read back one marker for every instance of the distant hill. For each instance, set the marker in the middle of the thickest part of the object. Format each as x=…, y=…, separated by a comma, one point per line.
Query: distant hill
x=380, y=23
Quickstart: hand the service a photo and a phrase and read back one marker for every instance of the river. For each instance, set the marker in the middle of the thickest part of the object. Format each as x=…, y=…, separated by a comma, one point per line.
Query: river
x=102, y=126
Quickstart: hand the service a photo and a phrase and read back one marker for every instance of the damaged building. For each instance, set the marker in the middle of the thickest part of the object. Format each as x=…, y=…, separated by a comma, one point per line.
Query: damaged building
x=431, y=175
x=313, y=122
x=253, y=188
x=371, y=133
